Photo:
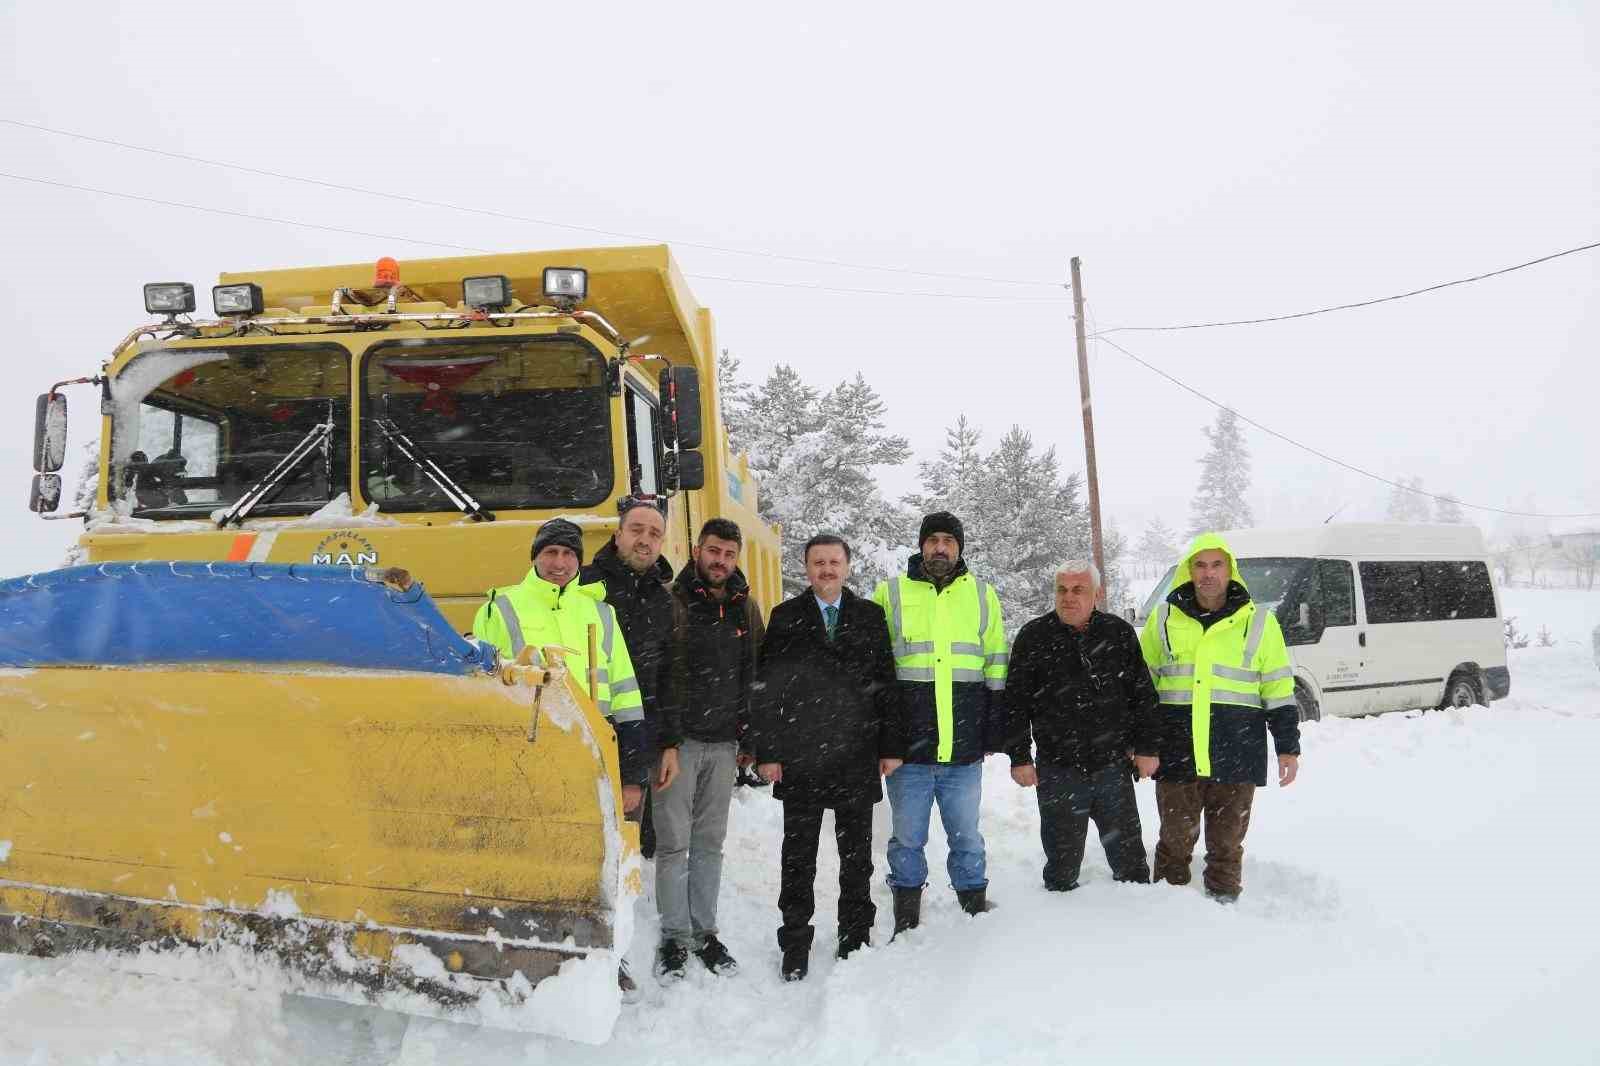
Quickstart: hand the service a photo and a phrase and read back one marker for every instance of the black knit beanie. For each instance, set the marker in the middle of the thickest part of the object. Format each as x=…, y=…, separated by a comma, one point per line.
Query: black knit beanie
x=560, y=532
x=942, y=522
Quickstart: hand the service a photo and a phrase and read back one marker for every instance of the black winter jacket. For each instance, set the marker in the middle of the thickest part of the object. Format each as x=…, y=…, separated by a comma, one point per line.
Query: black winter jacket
x=643, y=603
x=709, y=673
x=827, y=710
x=1084, y=699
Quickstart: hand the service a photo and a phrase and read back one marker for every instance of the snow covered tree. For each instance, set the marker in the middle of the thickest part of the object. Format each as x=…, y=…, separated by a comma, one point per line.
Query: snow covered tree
x=1448, y=509
x=953, y=480
x=734, y=396
x=1158, y=547
x=1219, y=501
x=1407, y=503
x=1022, y=518
x=813, y=456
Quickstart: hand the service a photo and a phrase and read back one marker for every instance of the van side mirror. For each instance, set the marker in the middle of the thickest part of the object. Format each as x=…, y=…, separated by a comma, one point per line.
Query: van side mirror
x=50, y=433
x=680, y=403
x=1305, y=615
x=45, y=495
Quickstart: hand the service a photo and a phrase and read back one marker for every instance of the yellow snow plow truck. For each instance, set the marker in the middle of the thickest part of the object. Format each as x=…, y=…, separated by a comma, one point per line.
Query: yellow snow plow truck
x=249, y=727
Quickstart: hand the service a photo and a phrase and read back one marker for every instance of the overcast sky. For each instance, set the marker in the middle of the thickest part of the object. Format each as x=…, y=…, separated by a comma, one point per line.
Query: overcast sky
x=1205, y=161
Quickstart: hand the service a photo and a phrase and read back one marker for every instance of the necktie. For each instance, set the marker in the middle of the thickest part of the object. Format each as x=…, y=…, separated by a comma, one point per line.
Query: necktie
x=830, y=615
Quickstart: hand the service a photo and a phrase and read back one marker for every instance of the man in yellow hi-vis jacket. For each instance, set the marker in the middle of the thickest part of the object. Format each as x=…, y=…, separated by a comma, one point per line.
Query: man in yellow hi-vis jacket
x=950, y=658
x=1224, y=680
x=551, y=607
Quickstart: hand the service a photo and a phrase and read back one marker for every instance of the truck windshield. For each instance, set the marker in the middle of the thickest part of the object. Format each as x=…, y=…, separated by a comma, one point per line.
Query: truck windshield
x=193, y=429
x=517, y=423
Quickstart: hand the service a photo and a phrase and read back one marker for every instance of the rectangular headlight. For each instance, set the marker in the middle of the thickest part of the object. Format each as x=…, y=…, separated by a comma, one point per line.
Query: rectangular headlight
x=169, y=298
x=567, y=283
x=492, y=292
x=236, y=299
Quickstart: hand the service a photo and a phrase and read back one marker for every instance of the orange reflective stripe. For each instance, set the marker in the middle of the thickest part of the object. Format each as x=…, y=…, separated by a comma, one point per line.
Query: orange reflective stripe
x=239, y=550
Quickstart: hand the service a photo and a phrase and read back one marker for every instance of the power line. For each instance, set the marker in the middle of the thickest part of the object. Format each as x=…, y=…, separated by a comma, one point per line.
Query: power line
x=505, y=216
x=1324, y=455
x=489, y=251
x=1352, y=306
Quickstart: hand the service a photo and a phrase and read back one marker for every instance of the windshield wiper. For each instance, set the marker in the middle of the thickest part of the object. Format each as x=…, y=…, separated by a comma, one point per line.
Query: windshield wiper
x=312, y=441
x=463, y=500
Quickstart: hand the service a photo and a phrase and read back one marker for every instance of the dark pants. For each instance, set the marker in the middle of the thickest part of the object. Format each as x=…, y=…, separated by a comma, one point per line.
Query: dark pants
x=802, y=828
x=1226, y=810
x=647, y=824
x=1067, y=800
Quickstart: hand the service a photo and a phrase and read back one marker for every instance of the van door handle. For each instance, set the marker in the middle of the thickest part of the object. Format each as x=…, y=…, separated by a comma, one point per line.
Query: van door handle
x=1361, y=638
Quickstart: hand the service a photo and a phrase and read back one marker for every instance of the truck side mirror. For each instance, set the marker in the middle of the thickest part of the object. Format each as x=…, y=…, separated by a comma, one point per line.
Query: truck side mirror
x=50, y=433
x=45, y=496
x=691, y=470
x=680, y=402
x=1305, y=615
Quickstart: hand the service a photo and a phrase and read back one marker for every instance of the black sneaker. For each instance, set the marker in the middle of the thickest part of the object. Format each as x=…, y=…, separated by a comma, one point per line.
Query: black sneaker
x=716, y=957
x=796, y=962
x=670, y=961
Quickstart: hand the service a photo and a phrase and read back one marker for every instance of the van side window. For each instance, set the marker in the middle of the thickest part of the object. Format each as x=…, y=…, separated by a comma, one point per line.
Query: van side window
x=1336, y=588
x=1393, y=592
x=1458, y=590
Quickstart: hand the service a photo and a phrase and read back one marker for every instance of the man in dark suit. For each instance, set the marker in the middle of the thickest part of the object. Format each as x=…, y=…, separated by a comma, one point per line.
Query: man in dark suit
x=826, y=728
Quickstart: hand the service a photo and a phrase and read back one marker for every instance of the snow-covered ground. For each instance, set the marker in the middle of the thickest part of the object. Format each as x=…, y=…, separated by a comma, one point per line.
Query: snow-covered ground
x=1412, y=898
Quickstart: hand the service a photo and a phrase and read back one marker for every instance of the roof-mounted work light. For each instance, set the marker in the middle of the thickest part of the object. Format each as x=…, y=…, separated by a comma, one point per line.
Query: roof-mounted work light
x=566, y=284
x=169, y=298
x=236, y=299
x=491, y=292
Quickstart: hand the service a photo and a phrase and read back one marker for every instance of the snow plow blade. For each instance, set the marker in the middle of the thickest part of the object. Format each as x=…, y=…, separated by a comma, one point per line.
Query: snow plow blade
x=306, y=774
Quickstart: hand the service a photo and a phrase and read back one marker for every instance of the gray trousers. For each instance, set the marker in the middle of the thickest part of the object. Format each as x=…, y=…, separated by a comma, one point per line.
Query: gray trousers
x=691, y=820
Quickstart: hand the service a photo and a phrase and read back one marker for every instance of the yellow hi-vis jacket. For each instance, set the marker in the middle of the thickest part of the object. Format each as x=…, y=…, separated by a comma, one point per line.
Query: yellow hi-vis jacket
x=538, y=612
x=1222, y=688
x=950, y=656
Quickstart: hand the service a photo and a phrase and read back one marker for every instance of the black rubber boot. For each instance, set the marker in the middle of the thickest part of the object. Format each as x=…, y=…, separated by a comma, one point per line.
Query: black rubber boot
x=907, y=909
x=852, y=942
x=974, y=900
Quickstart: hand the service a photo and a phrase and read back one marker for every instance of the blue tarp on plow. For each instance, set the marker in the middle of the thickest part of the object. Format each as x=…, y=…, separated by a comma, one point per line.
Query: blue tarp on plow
x=138, y=614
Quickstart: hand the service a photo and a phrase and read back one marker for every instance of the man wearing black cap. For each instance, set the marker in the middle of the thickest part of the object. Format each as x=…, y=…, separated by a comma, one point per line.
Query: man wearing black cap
x=950, y=661
x=638, y=585
x=550, y=607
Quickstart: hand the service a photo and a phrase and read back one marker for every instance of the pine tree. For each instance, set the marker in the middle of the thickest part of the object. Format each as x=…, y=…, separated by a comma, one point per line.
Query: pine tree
x=1219, y=501
x=954, y=479
x=734, y=396
x=1447, y=509
x=813, y=456
x=1407, y=502
x=1159, y=545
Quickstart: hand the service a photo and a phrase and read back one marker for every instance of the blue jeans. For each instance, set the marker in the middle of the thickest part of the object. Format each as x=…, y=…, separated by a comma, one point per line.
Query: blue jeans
x=913, y=790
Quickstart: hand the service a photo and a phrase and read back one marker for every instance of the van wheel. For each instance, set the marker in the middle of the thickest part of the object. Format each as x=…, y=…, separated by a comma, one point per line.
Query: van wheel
x=1309, y=711
x=1462, y=690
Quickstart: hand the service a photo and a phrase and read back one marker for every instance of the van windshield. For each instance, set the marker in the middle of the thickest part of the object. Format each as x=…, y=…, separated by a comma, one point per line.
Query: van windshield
x=1269, y=579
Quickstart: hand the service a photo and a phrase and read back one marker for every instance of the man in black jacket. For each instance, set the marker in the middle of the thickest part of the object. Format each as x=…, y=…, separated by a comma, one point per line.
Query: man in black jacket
x=1079, y=688
x=637, y=581
x=826, y=727
x=707, y=680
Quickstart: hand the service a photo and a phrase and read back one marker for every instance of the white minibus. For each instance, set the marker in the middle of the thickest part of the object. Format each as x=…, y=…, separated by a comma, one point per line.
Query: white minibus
x=1378, y=617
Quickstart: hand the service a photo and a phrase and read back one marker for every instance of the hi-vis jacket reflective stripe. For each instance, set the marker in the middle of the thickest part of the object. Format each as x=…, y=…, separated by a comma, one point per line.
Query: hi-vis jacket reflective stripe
x=537, y=612
x=1241, y=661
x=946, y=639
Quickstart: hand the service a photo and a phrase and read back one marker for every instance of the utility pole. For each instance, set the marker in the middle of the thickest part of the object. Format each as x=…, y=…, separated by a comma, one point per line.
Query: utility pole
x=1088, y=423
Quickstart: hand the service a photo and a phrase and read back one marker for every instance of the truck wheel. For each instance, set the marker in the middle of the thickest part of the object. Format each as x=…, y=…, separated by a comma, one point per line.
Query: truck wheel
x=1309, y=711
x=1462, y=690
